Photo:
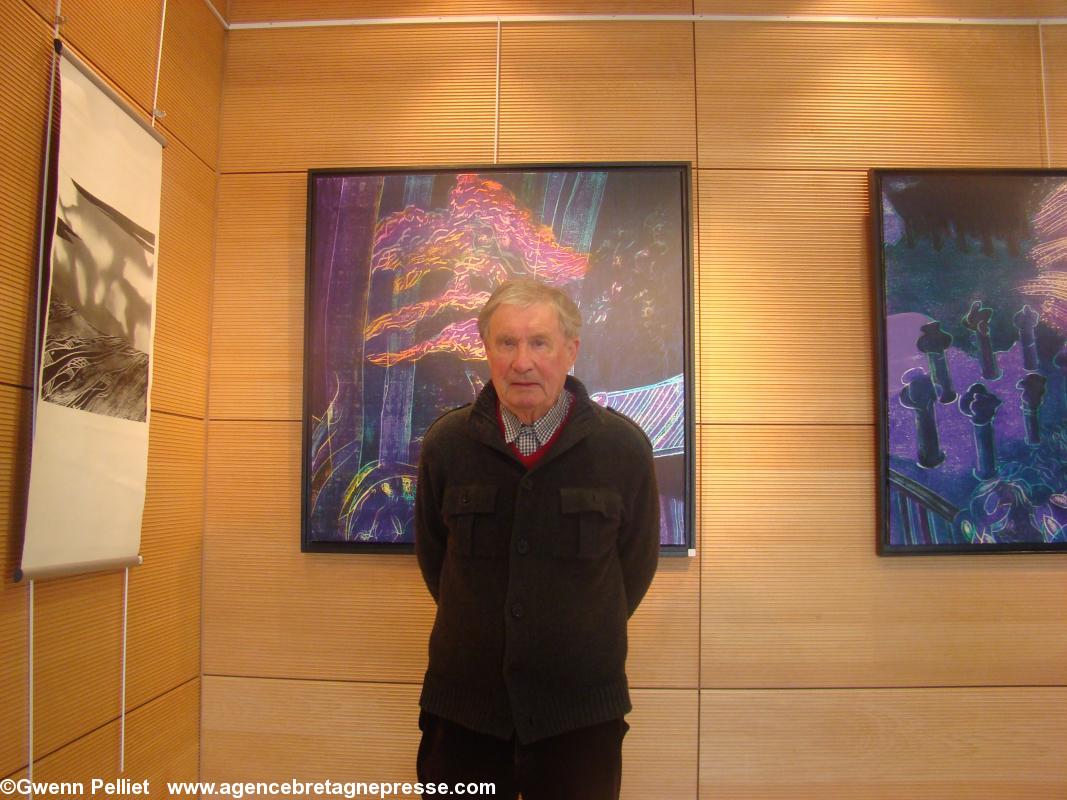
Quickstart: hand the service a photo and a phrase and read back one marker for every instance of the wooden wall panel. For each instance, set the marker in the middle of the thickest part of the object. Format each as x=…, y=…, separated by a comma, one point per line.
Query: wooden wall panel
x=270, y=610
x=262, y=729
x=887, y=8
x=929, y=744
x=659, y=754
x=664, y=632
x=161, y=739
x=183, y=292
x=77, y=656
x=785, y=298
x=1055, y=44
x=868, y=95
x=25, y=62
x=190, y=77
x=119, y=38
x=164, y=604
x=258, y=729
x=258, y=322
x=597, y=91
x=793, y=594
x=14, y=443
x=268, y=10
x=341, y=97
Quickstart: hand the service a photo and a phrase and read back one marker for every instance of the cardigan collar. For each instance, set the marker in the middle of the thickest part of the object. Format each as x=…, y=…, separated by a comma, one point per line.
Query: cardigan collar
x=483, y=425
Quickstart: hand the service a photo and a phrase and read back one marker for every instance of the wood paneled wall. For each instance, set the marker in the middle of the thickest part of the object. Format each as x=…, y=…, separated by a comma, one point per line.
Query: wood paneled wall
x=78, y=620
x=785, y=661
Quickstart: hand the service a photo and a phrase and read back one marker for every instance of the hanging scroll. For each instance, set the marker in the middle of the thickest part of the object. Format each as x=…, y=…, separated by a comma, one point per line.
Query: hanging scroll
x=90, y=445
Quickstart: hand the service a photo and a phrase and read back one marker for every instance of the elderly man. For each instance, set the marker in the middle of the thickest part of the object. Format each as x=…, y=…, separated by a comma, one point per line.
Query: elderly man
x=537, y=532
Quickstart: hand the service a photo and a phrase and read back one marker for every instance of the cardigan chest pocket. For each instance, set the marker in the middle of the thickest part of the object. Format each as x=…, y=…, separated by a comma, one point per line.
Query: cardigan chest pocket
x=591, y=517
x=470, y=512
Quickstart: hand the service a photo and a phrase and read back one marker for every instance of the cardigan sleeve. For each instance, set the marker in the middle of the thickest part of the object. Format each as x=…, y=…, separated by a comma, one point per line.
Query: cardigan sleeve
x=639, y=539
x=430, y=530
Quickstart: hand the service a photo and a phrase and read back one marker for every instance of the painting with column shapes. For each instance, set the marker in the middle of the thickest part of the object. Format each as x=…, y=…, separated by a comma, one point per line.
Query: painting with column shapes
x=972, y=310
x=399, y=263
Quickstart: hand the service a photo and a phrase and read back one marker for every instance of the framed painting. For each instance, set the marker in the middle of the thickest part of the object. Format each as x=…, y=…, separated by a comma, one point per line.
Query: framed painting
x=399, y=263
x=972, y=319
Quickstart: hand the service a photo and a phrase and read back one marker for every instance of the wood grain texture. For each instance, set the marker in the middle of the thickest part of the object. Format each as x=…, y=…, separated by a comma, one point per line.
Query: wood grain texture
x=258, y=321
x=183, y=290
x=164, y=603
x=597, y=92
x=983, y=9
x=120, y=39
x=928, y=744
x=793, y=595
x=161, y=746
x=14, y=443
x=854, y=96
x=785, y=315
x=398, y=96
x=271, y=10
x=1055, y=45
x=25, y=62
x=261, y=729
x=270, y=610
x=190, y=77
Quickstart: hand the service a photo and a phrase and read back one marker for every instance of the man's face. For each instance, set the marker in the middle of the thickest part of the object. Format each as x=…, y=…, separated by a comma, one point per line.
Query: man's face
x=529, y=358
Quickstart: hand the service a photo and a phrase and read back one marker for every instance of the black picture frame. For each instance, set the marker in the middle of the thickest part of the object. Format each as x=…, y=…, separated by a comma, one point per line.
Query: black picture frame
x=398, y=262
x=972, y=365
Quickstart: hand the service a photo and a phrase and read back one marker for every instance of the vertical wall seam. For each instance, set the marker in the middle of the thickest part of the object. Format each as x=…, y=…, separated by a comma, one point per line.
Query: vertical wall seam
x=496, y=112
x=1044, y=95
x=207, y=393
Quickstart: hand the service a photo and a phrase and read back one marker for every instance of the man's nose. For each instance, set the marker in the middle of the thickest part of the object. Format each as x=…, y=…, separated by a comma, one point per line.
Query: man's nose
x=522, y=362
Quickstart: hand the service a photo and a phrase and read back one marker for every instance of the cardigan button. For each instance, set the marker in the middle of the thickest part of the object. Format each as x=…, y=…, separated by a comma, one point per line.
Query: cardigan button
x=523, y=547
x=516, y=610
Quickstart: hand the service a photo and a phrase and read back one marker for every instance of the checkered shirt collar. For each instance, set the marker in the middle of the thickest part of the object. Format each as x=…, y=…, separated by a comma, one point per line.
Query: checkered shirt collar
x=543, y=429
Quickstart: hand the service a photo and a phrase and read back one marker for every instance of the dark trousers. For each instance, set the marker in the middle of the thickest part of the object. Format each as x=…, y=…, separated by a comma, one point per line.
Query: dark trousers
x=583, y=764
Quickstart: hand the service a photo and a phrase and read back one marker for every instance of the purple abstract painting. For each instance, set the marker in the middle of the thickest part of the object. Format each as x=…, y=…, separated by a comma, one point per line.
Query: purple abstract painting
x=400, y=263
x=973, y=305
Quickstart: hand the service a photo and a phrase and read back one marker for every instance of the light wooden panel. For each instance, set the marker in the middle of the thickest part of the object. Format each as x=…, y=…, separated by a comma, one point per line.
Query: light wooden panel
x=77, y=656
x=25, y=61
x=266, y=10
x=785, y=298
x=161, y=745
x=120, y=38
x=183, y=293
x=164, y=603
x=1055, y=43
x=597, y=91
x=372, y=96
x=261, y=729
x=868, y=95
x=793, y=595
x=664, y=631
x=659, y=754
x=190, y=77
x=984, y=9
x=929, y=744
x=256, y=729
x=14, y=444
x=270, y=610
x=258, y=335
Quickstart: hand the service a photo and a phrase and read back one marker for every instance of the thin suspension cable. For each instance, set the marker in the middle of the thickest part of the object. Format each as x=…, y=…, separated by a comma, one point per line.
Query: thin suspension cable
x=159, y=64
